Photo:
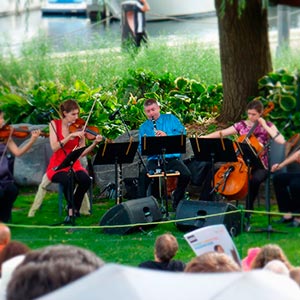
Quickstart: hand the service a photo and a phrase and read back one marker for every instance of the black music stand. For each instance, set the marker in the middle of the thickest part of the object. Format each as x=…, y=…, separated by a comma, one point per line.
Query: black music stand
x=117, y=154
x=161, y=145
x=68, y=162
x=251, y=157
x=252, y=160
x=213, y=150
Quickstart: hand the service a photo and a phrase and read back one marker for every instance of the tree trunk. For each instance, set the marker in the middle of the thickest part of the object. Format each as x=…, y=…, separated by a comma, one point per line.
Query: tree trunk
x=245, y=55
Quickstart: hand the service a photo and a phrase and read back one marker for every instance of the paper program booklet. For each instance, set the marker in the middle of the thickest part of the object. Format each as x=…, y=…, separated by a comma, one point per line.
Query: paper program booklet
x=212, y=238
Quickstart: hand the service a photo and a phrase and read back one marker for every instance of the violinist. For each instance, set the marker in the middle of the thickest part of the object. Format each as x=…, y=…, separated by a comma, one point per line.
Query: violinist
x=8, y=189
x=287, y=190
x=62, y=142
x=263, y=130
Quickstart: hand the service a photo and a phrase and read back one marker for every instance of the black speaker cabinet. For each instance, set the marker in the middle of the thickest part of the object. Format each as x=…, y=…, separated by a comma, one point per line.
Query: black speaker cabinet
x=190, y=208
x=142, y=210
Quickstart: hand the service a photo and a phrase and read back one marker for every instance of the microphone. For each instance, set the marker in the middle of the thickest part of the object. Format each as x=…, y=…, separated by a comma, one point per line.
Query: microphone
x=114, y=114
x=45, y=115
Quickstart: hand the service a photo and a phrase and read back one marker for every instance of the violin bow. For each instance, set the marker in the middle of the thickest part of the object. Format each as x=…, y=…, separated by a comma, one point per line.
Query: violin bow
x=90, y=113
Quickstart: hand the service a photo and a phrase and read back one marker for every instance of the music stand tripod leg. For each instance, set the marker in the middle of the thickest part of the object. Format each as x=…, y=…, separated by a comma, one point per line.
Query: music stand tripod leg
x=269, y=228
x=163, y=165
x=247, y=215
x=71, y=193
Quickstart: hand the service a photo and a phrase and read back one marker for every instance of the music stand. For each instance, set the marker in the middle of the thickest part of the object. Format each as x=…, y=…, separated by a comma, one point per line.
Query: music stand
x=258, y=164
x=213, y=150
x=117, y=154
x=161, y=145
x=68, y=162
x=252, y=160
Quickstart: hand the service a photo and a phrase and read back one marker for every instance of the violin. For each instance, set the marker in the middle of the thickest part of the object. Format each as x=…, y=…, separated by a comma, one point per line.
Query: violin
x=232, y=178
x=20, y=132
x=90, y=131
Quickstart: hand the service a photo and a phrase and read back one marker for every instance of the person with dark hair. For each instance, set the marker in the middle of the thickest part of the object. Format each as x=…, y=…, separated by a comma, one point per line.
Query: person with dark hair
x=63, y=142
x=8, y=189
x=166, y=247
x=10, y=257
x=287, y=190
x=262, y=131
x=12, y=249
x=45, y=270
x=212, y=262
x=160, y=125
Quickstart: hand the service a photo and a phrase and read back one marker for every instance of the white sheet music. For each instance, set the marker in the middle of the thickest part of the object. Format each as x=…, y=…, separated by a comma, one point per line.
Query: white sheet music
x=212, y=238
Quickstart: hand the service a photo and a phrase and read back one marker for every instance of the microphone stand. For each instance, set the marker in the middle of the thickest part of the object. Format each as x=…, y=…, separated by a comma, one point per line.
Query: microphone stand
x=130, y=136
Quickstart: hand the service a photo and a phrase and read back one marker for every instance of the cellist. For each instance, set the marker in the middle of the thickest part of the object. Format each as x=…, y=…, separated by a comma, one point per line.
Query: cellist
x=263, y=131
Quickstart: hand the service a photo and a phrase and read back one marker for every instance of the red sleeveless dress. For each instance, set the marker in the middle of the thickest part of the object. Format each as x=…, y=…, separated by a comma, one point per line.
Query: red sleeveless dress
x=58, y=157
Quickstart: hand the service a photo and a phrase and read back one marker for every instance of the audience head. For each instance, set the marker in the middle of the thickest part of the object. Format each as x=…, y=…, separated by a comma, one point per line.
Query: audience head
x=12, y=249
x=45, y=270
x=212, y=262
x=295, y=274
x=4, y=235
x=277, y=266
x=267, y=253
x=166, y=247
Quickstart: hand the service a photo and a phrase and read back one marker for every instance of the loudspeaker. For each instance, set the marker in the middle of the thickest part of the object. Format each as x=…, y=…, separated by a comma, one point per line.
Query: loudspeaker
x=190, y=208
x=142, y=210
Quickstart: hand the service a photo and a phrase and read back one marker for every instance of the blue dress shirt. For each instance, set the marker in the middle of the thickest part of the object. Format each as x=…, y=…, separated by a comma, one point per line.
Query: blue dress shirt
x=167, y=123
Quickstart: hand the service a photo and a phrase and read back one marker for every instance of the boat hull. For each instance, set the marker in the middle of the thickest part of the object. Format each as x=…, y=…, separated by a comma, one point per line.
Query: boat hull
x=166, y=9
x=65, y=7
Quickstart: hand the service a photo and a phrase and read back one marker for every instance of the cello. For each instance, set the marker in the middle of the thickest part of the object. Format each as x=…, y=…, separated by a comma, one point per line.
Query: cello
x=232, y=178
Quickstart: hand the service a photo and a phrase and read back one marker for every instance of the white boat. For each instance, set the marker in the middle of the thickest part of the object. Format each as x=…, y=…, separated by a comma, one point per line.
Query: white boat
x=65, y=7
x=166, y=9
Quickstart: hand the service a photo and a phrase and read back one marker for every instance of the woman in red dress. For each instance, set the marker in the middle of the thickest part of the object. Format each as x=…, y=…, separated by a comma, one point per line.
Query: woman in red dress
x=63, y=142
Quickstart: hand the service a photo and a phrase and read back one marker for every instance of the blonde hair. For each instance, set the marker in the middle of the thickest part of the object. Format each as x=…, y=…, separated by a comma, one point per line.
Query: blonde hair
x=212, y=262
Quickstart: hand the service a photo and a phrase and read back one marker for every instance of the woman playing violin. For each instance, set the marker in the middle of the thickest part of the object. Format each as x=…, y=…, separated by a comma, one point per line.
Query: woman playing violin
x=263, y=130
x=8, y=189
x=62, y=142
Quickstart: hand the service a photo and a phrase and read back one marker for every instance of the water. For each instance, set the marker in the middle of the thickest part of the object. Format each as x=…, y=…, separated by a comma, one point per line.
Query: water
x=79, y=33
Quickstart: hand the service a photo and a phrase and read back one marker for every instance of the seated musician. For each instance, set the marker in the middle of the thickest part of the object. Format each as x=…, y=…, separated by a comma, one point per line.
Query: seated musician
x=63, y=142
x=263, y=131
x=287, y=190
x=162, y=125
x=8, y=189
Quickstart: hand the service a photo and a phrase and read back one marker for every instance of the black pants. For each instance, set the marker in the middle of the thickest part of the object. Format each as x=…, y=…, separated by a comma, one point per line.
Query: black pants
x=8, y=195
x=287, y=191
x=258, y=176
x=175, y=164
x=83, y=182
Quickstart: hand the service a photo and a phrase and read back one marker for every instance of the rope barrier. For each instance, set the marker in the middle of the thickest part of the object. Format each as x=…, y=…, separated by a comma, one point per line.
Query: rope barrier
x=240, y=211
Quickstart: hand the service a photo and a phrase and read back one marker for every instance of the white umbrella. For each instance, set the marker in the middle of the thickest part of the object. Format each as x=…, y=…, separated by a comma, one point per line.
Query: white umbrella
x=112, y=282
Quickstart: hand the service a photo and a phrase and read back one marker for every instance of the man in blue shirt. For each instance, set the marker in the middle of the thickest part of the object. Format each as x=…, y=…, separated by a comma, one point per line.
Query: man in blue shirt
x=162, y=125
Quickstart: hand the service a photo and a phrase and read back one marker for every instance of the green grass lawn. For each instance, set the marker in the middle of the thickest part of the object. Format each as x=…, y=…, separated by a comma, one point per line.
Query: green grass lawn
x=132, y=248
